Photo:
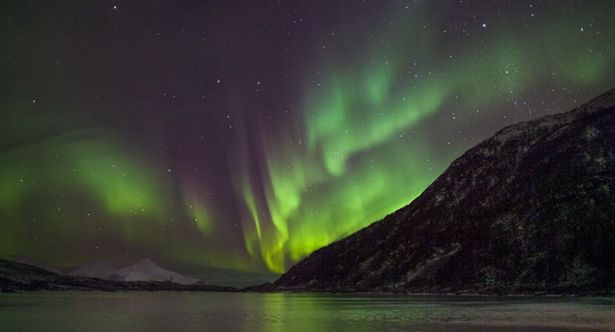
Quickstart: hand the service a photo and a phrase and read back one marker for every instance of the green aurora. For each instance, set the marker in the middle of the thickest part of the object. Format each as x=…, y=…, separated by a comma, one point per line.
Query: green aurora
x=373, y=107
x=351, y=168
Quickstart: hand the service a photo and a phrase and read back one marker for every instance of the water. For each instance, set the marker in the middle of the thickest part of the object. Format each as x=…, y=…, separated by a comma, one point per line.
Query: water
x=227, y=312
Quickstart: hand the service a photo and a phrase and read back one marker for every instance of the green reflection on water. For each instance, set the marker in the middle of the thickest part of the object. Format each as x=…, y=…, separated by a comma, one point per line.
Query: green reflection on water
x=171, y=311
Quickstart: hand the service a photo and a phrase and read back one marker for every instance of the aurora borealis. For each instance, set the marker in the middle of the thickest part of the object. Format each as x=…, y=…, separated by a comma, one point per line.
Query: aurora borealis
x=245, y=135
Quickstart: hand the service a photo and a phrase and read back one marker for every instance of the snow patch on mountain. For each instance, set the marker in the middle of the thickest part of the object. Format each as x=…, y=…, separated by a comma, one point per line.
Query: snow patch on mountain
x=144, y=270
x=147, y=270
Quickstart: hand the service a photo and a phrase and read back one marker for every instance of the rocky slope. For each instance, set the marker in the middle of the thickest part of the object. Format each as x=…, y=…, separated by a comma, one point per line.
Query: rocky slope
x=531, y=209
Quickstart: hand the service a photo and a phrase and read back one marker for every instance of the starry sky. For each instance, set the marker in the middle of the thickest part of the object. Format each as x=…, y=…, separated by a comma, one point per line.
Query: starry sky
x=244, y=135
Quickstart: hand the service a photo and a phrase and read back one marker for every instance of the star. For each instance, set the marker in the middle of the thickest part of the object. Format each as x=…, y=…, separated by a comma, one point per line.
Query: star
x=328, y=122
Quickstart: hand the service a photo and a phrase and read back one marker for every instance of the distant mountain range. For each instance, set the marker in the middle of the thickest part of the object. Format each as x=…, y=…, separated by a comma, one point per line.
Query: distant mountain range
x=144, y=270
x=97, y=275
x=531, y=209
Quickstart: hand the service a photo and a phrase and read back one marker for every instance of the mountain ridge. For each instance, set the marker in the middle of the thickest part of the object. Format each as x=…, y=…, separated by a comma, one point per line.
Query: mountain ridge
x=535, y=165
x=16, y=276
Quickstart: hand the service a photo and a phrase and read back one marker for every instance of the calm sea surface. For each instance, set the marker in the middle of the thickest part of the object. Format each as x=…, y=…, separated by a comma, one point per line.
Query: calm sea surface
x=226, y=312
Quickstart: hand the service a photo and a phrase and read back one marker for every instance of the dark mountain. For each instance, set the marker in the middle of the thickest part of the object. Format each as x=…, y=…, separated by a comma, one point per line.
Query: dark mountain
x=36, y=263
x=18, y=276
x=531, y=209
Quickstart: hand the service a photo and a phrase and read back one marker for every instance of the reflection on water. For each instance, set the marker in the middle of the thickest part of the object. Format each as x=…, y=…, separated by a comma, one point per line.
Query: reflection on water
x=170, y=311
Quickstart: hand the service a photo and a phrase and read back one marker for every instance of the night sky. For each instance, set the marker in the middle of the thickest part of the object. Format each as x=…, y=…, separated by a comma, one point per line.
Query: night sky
x=246, y=134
